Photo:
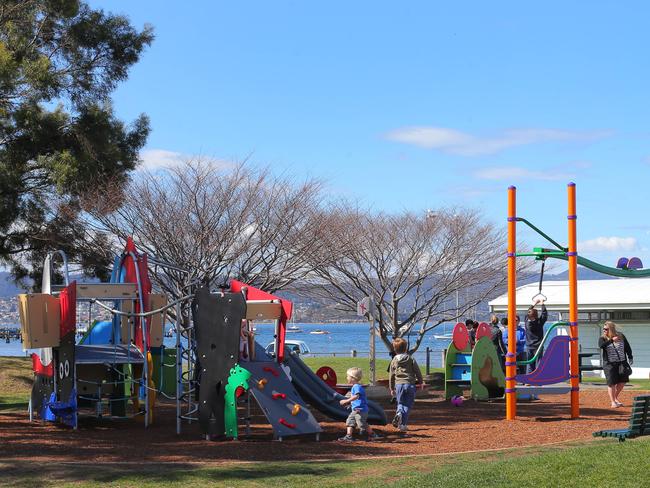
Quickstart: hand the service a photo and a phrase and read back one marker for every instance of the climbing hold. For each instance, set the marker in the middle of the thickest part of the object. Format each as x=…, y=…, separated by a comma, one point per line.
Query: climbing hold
x=287, y=424
x=271, y=370
x=262, y=383
x=295, y=410
x=277, y=396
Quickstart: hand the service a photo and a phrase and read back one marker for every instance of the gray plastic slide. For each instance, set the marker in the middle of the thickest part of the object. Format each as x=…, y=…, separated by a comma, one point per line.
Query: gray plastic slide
x=321, y=396
x=279, y=400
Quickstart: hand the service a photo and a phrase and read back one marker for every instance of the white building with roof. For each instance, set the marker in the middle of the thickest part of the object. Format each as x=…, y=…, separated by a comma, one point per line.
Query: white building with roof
x=626, y=301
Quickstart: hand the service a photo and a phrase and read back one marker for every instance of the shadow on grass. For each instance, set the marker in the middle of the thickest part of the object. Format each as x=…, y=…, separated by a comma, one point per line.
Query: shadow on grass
x=9, y=405
x=22, y=473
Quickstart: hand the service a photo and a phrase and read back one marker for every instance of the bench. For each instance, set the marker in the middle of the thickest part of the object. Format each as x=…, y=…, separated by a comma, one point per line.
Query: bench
x=639, y=421
x=587, y=367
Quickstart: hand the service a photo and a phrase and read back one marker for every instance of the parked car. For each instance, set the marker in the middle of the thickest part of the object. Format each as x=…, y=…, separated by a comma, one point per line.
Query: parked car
x=299, y=347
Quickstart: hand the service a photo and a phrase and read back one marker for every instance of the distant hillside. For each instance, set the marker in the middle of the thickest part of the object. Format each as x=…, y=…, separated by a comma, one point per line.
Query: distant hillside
x=583, y=274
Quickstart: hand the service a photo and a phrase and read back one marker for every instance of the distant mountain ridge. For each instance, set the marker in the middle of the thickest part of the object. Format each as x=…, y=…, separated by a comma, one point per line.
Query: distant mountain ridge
x=9, y=289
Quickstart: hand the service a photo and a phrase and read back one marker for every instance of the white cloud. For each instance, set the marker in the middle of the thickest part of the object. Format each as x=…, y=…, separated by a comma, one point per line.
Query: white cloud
x=463, y=144
x=611, y=244
x=158, y=159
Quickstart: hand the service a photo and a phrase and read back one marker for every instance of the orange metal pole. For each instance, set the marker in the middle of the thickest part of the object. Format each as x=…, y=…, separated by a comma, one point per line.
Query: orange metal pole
x=573, y=300
x=511, y=357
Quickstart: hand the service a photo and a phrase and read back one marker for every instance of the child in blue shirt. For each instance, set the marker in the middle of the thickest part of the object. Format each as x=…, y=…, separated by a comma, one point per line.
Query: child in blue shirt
x=522, y=355
x=358, y=408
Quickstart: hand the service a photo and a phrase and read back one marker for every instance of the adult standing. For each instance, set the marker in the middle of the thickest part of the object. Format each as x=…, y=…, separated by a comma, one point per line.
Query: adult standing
x=535, y=332
x=497, y=340
x=617, y=358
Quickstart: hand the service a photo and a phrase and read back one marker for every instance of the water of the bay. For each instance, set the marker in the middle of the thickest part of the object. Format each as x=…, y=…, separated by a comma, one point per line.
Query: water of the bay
x=340, y=340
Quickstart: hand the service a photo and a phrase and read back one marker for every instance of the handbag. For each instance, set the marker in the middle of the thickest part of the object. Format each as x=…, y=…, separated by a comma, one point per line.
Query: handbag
x=624, y=368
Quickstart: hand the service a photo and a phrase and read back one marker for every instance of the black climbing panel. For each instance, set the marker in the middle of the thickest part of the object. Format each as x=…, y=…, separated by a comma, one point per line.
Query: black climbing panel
x=217, y=321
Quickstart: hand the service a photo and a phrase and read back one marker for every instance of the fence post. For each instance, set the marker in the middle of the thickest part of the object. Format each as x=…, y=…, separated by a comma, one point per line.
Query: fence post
x=353, y=353
x=428, y=360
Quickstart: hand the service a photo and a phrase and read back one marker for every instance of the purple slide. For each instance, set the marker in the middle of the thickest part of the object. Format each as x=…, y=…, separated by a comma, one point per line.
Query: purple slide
x=554, y=365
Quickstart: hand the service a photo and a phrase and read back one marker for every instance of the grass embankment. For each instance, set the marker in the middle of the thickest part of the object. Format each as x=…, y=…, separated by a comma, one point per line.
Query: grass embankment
x=15, y=382
x=559, y=466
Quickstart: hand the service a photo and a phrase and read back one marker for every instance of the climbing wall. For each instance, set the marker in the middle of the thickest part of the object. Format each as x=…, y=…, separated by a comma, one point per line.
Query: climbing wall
x=284, y=408
x=217, y=319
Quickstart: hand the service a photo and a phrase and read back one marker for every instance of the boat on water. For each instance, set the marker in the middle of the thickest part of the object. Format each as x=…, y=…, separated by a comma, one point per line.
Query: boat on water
x=319, y=331
x=294, y=328
x=442, y=337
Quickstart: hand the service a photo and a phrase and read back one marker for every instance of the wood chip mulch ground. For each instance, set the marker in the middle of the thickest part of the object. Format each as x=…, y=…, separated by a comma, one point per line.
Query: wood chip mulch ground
x=436, y=427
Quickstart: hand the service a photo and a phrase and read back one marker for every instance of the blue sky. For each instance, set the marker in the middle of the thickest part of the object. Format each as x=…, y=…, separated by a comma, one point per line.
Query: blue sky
x=414, y=105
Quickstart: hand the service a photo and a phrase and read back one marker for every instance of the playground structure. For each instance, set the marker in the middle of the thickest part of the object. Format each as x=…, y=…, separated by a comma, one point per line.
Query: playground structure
x=215, y=367
x=479, y=369
x=625, y=268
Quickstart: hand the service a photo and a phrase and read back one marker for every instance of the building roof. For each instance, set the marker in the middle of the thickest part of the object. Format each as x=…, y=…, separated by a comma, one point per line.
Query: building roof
x=593, y=295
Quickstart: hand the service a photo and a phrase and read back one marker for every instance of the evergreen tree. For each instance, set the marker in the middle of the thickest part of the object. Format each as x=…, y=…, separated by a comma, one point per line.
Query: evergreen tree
x=60, y=60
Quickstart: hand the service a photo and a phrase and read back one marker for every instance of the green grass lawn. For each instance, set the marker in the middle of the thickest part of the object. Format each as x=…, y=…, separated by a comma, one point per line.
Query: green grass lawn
x=15, y=382
x=588, y=464
x=635, y=384
x=341, y=365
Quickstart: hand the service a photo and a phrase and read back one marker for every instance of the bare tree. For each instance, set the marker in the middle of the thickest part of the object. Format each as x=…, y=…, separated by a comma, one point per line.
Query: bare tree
x=411, y=265
x=216, y=222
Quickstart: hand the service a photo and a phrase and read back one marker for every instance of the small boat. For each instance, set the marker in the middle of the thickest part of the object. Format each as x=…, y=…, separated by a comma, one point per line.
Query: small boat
x=294, y=328
x=319, y=331
x=442, y=337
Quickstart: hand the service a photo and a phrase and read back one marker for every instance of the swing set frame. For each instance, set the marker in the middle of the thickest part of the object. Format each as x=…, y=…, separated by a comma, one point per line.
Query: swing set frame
x=571, y=255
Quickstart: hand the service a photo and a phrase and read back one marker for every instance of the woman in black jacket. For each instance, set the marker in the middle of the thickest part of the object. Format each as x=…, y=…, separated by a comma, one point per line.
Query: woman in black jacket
x=616, y=354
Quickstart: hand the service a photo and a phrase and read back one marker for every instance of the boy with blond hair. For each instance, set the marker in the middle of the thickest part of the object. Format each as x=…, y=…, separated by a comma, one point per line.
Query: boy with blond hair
x=358, y=408
x=404, y=375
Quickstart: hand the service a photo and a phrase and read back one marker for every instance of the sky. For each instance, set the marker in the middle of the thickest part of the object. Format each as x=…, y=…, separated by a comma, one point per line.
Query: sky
x=414, y=105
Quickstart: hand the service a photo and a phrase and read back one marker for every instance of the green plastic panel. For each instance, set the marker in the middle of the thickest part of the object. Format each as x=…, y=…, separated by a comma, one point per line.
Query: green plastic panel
x=488, y=380
x=238, y=378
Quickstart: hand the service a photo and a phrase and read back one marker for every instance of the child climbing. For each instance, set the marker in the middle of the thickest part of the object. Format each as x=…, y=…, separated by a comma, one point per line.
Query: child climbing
x=359, y=409
x=404, y=375
x=535, y=331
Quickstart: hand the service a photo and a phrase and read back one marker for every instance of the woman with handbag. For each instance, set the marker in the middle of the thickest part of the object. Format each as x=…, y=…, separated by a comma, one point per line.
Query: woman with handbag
x=617, y=358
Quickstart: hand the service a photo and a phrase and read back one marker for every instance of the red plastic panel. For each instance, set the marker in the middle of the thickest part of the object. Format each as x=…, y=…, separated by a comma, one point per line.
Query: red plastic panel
x=68, y=304
x=460, y=336
x=328, y=375
x=253, y=293
x=39, y=368
x=483, y=331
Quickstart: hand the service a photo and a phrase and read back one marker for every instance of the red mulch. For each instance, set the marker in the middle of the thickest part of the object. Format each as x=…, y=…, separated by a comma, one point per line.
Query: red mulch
x=436, y=427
